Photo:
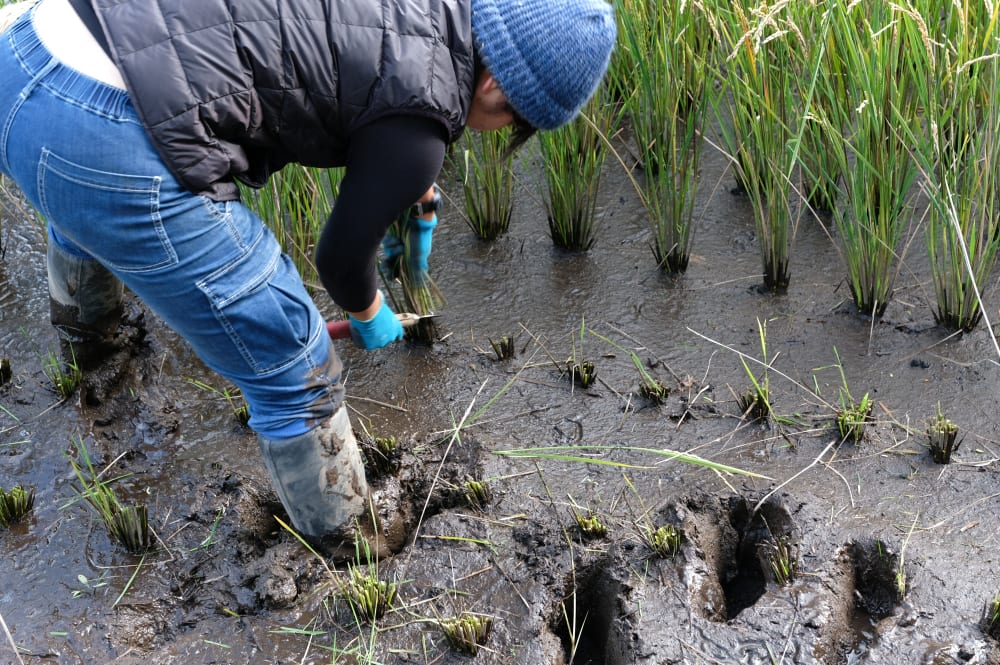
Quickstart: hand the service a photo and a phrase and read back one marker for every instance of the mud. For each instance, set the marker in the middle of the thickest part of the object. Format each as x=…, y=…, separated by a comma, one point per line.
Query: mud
x=893, y=556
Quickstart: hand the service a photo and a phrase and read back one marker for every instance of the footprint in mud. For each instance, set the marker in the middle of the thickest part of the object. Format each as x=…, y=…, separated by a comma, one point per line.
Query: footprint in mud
x=744, y=550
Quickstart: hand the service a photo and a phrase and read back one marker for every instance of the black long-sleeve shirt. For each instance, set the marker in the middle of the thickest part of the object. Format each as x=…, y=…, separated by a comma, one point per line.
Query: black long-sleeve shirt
x=391, y=163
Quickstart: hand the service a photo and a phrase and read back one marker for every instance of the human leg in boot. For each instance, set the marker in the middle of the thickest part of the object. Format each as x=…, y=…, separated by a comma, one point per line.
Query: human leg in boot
x=85, y=301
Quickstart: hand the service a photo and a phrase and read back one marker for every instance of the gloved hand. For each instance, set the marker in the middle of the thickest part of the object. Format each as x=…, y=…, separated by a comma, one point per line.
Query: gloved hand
x=381, y=330
x=419, y=235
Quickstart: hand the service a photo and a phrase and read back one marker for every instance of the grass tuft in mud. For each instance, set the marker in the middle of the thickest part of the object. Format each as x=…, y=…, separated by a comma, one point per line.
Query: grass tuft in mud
x=15, y=504
x=381, y=454
x=467, y=632
x=590, y=525
x=233, y=398
x=504, y=347
x=488, y=182
x=65, y=376
x=368, y=596
x=583, y=373
x=990, y=621
x=650, y=387
x=127, y=524
x=665, y=541
x=854, y=417
x=477, y=494
x=781, y=558
x=942, y=435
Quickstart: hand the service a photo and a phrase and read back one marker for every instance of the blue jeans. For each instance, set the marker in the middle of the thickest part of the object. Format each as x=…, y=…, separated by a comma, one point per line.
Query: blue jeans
x=212, y=271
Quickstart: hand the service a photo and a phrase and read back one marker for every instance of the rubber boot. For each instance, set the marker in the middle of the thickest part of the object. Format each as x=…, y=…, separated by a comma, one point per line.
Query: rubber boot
x=320, y=478
x=85, y=304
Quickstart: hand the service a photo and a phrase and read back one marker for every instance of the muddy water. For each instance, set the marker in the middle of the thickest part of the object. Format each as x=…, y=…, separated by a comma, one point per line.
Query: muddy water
x=226, y=584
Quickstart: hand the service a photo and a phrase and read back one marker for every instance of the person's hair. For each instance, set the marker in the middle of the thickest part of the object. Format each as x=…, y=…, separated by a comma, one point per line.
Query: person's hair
x=522, y=131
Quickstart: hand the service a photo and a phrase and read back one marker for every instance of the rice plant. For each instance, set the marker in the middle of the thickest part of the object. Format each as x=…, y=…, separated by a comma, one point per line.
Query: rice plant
x=650, y=387
x=590, y=525
x=504, y=347
x=233, y=397
x=487, y=170
x=954, y=47
x=466, y=632
x=822, y=81
x=127, y=524
x=15, y=504
x=573, y=158
x=853, y=416
x=990, y=620
x=418, y=294
x=761, y=129
x=381, y=454
x=477, y=494
x=869, y=41
x=669, y=46
x=65, y=376
x=942, y=435
x=368, y=596
x=755, y=402
x=781, y=557
x=664, y=541
x=294, y=204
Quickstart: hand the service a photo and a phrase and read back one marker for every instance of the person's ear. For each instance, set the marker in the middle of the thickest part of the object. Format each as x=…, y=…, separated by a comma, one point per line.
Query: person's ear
x=487, y=83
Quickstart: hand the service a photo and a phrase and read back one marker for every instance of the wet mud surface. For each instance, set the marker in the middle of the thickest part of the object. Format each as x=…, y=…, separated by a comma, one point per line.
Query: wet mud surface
x=891, y=558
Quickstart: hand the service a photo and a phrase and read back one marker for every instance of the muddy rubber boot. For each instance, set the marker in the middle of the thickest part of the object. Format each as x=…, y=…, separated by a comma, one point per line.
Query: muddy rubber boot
x=85, y=305
x=320, y=478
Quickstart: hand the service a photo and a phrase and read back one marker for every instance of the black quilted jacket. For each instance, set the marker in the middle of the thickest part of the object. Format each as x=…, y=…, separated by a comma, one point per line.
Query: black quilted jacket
x=239, y=88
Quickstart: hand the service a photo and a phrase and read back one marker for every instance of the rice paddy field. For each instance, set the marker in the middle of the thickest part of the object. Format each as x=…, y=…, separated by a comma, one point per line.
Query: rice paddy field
x=712, y=379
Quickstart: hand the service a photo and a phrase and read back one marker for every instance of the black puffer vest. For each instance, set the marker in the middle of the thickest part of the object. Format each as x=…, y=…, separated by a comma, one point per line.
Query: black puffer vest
x=239, y=88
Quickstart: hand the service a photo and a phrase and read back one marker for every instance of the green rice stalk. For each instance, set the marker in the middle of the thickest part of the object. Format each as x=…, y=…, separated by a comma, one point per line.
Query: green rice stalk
x=875, y=161
x=295, y=204
x=487, y=183
x=233, y=398
x=784, y=567
x=665, y=541
x=650, y=387
x=368, y=596
x=477, y=494
x=755, y=403
x=381, y=455
x=467, y=632
x=959, y=149
x=762, y=132
x=670, y=45
x=820, y=168
x=590, y=525
x=417, y=296
x=15, y=504
x=65, y=376
x=573, y=454
x=573, y=158
x=942, y=435
x=504, y=347
x=991, y=617
x=129, y=525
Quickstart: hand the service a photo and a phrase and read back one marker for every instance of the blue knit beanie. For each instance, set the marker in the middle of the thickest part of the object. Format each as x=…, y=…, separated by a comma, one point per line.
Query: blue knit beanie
x=547, y=56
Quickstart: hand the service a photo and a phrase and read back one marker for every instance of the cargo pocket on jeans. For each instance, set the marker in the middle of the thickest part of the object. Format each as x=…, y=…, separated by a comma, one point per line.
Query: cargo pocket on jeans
x=264, y=308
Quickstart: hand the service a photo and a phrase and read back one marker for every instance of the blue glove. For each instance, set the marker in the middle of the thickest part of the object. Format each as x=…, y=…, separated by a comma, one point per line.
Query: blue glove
x=381, y=330
x=419, y=235
x=392, y=248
